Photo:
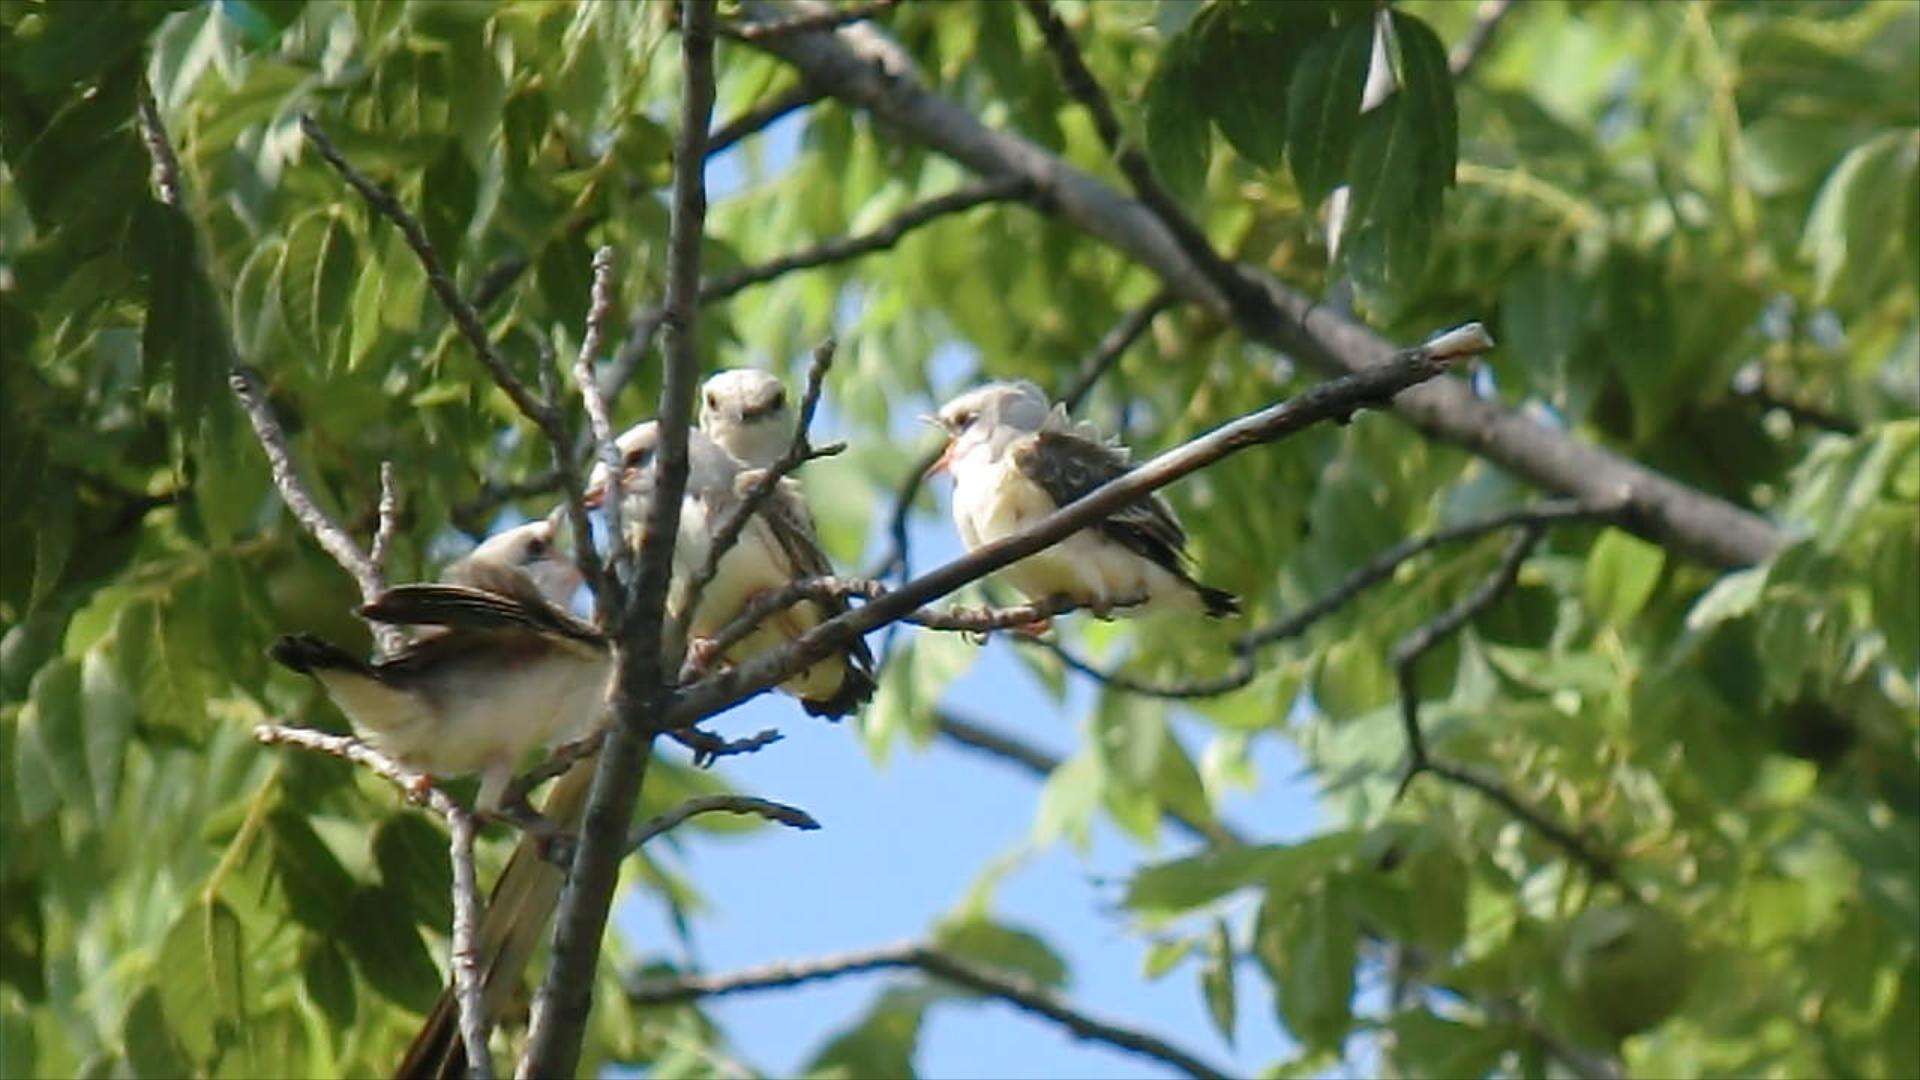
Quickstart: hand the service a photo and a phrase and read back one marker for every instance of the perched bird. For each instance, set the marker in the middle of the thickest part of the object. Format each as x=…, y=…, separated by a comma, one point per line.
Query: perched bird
x=778, y=546
x=745, y=411
x=505, y=669
x=1015, y=460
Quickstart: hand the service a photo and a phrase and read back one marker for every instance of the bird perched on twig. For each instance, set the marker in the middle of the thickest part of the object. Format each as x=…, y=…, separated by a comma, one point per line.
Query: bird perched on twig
x=777, y=547
x=1015, y=459
x=503, y=670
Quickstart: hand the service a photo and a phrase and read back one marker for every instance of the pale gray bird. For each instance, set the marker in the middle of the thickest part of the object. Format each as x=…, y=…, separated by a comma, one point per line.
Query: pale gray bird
x=745, y=411
x=504, y=670
x=777, y=547
x=1014, y=460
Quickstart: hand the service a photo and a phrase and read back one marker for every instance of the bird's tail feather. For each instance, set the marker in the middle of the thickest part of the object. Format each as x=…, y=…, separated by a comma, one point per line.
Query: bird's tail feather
x=1219, y=603
x=856, y=689
x=308, y=655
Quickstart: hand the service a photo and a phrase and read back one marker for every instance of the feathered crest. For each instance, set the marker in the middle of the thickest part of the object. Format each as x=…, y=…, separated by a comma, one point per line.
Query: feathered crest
x=1060, y=422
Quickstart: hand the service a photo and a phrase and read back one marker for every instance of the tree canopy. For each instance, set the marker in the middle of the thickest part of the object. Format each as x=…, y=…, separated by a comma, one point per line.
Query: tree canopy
x=1603, y=654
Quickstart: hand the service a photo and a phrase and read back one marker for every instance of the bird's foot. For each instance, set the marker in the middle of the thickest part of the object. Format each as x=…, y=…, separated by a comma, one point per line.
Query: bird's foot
x=701, y=654
x=418, y=788
x=1034, y=629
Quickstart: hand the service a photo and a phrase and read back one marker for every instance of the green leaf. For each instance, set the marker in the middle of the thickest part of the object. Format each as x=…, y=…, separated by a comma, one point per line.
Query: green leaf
x=1622, y=571
x=1308, y=944
x=1129, y=733
x=1178, y=138
x=1164, y=954
x=1403, y=161
x=184, y=344
x=203, y=994
x=1323, y=109
x=1862, y=217
x=109, y=712
x=1244, y=53
x=23, y=937
x=1184, y=884
x=1067, y=801
x=317, y=887
x=153, y=643
x=1426, y=81
x=59, y=732
x=1216, y=981
x=1428, y=1045
x=149, y=1042
x=317, y=280
x=1734, y=595
x=879, y=1044
x=52, y=540
x=329, y=981
x=414, y=864
x=388, y=951
x=998, y=946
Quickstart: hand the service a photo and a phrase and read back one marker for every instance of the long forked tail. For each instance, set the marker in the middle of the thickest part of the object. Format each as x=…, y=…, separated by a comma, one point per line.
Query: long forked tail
x=1219, y=602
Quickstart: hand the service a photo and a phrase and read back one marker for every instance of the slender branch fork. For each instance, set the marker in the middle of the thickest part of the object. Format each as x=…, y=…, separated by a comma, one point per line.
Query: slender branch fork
x=419, y=789
x=791, y=816
x=1014, y=989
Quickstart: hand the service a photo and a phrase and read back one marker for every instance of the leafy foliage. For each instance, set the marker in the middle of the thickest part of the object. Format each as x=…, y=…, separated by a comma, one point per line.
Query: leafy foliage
x=1642, y=200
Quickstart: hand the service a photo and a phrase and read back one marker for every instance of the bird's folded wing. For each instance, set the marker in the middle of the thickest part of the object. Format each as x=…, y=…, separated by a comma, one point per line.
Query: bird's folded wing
x=460, y=607
x=1068, y=467
x=790, y=521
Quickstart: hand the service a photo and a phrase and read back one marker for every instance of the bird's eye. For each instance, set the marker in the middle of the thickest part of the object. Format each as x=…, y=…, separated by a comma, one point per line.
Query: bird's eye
x=713, y=402
x=639, y=455
x=965, y=420
x=536, y=547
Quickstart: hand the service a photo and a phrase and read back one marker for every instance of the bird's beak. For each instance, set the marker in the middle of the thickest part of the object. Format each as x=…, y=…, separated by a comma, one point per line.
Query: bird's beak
x=595, y=494
x=945, y=459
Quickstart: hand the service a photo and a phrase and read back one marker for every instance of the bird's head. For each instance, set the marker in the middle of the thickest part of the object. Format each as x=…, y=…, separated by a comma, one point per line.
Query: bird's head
x=542, y=550
x=708, y=466
x=990, y=415
x=745, y=410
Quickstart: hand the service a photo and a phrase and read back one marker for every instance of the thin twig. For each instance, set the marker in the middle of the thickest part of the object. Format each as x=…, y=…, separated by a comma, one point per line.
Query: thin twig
x=837, y=249
x=809, y=23
x=762, y=116
x=640, y=693
x=418, y=788
x=389, y=520
x=799, y=451
x=1111, y=347
x=1335, y=399
x=1377, y=569
x=601, y=426
x=1407, y=654
x=327, y=532
x=166, y=164
x=708, y=748
x=1473, y=45
x=1015, y=989
x=726, y=804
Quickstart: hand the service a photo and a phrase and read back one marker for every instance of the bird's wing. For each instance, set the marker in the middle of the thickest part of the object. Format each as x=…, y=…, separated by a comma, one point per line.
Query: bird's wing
x=790, y=521
x=1068, y=466
x=462, y=607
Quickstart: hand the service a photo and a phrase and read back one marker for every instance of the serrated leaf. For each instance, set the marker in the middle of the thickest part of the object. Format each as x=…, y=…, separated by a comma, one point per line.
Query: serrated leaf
x=150, y=639
x=1862, y=216
x=1005, y=947
x=413, y=861
x=1426, y=81
x=1178, y=138
x=59, y=730
x=1308, y=944
x=1216, y=981
x=109, y=710
x=388, y=951
x=1622, y=570
x=184, y=344
x=151, y=1048
x=204, y=992
x=329, y=981
x=316, y=280
x=1323, y=109
x=317, y=887
x=1184, y=884
x=1241, y=68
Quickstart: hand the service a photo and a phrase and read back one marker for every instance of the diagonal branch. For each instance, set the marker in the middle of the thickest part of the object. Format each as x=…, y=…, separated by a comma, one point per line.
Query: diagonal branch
x=1338, y=399
x=1013, y=988
x=761, y=117
x=838, y=249
x=640, y=691
x=600, y=425
x=721, y=804
x=861, y=67
x=419, y=789
x=809, y=22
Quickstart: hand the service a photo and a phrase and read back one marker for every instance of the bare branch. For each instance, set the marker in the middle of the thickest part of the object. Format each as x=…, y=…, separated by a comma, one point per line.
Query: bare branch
x=601, y=428
x=761, y=117
x=389, y=519
x=1337, y=399
x=166, y=164
x=809, y=23
x=838, y=249
x=1377, y=569
x=1014, y=989
x=1486, y=21
x=799, y=452
x=328, y=533
x=1424, y=637
x=1111, y=347
x=728, y=804
x=708, y=748
x=860, y=66
x=419, y=789
x=640, y=692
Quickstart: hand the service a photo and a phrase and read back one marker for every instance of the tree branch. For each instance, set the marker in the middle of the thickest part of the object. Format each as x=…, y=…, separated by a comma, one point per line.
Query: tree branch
x=1337, y=399
x=600, y=426
x=1015, y=989
x=419, y=789
x=1377, y=569
x=718, y=804
x=860, y=66
x=837, y=249
x=761, y=117
x=1111, y=347
x=1473, y=45
x=640, y=692
x=807, y=23
x=1423, y=638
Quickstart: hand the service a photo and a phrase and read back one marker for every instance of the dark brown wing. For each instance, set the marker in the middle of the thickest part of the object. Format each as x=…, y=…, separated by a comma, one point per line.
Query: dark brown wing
x=1068, y=468
x=461, y=607
x=791, y=523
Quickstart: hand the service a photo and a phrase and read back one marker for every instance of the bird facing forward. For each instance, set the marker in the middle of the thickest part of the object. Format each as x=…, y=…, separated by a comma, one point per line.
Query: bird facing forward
x=1015, y=459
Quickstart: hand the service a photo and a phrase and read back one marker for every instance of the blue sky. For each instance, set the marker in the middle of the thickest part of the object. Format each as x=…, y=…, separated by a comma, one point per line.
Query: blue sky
x=902, y=841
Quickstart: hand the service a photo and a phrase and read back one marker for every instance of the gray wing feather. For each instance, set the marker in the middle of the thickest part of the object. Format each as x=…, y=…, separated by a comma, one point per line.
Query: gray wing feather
x=1068, y=467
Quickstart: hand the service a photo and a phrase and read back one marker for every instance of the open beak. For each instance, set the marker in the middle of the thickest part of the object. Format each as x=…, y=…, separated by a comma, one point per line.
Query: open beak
x=945, y=459
x=595, y=494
